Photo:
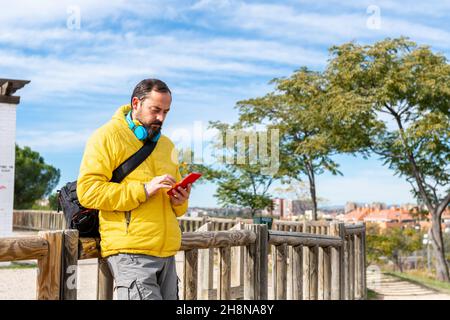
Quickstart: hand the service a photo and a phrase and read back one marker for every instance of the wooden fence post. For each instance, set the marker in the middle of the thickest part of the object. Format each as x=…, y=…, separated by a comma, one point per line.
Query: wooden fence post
x=237, y=260
x=263, y=261
x=224, y=274
x=313, y=272
x=190, y=274
x=290, y=273
x=49, y=267
x=306, y=273
x=297, y=267
x=281, y=271
x=255, y=267
x=327, y=273
x=346, y=269
x=351, y=267
x=337, y=261
x=363, y=252
x=105, y=282
x=358, y=277
x=206, y=267
x=320, y=272
x=69, y=265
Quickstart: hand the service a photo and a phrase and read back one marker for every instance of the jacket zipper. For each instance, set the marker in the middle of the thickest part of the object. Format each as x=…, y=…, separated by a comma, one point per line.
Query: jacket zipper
x=127, y=219
x=165, y=222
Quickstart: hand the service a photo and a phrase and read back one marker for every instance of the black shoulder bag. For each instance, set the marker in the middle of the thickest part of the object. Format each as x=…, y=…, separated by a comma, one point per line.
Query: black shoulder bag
x=83, y=219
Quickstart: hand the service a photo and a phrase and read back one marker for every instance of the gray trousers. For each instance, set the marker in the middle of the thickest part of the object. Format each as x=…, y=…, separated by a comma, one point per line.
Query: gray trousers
x=143, y=277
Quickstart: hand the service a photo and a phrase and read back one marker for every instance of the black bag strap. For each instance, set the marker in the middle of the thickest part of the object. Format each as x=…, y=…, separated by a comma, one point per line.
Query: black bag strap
x=134, y=161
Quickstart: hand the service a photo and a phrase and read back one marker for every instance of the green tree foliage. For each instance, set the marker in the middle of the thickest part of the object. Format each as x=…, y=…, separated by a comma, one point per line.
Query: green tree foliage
x=297, y=108
x=33, y=179
x=239, y=183
x=393, y=243
x=53, y=201
x=399, y=95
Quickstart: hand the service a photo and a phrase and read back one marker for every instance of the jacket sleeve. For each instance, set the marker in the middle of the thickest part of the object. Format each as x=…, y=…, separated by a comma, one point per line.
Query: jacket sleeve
x=93, y=187
x=181, y=209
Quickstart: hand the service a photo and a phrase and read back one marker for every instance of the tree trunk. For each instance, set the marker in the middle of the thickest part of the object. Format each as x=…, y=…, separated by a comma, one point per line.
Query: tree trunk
x=312, y=188
x=442, y=272
x=435, y=210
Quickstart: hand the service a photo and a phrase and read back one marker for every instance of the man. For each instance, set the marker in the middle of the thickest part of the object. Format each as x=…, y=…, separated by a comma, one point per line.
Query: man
x=139, y=231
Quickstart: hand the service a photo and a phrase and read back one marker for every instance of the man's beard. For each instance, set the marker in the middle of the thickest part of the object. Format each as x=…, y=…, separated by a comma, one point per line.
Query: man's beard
x=152, y=132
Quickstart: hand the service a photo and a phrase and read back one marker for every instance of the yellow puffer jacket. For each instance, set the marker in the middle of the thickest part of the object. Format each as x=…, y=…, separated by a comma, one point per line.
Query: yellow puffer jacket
x=129, y=223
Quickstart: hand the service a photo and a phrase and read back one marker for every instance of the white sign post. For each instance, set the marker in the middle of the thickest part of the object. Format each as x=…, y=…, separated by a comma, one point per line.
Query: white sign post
x=8, y=104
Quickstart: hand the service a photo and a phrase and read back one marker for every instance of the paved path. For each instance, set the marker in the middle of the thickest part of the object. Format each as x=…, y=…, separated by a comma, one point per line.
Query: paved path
x=392, y=288
x=20, y=283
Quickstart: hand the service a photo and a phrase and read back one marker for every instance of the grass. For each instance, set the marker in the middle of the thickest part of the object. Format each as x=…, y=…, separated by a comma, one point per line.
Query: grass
x=422, y=279
x=372, y=295
x=19, y=265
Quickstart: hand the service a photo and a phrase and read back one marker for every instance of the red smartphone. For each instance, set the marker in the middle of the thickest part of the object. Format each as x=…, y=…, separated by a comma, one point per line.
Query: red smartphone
x=190, y=178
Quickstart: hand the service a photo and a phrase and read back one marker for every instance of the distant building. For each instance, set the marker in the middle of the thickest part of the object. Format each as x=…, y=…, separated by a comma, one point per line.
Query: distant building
x=378, y=206
x=278, y=207
x=298, y=207
x=288, y=209
x=400, y=216
x=350, y=206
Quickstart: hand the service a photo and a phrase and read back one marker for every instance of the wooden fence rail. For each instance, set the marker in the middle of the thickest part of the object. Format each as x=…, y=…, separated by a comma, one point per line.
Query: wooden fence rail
x=327, y=262
x=52, y=220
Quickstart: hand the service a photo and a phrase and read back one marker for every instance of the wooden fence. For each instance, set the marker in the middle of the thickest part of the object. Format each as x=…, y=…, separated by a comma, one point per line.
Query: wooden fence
x=38, y=220
x=311, y=261
x=52, y=220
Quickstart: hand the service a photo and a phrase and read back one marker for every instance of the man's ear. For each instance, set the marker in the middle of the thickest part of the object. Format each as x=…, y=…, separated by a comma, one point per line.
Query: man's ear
x=134, y=103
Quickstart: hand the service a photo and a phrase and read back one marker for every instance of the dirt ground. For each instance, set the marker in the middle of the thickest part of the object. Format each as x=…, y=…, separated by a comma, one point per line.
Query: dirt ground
x=392, y=288
x=20, y=283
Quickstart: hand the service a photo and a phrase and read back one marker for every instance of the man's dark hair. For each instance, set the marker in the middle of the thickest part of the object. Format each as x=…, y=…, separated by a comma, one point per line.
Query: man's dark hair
x=148, y=85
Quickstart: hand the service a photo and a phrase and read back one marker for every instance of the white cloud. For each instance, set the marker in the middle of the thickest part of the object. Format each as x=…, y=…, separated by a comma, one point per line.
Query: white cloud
x=53, y=141
x=102, y=62
x=42, y=13
x=88, y=61
x=291, y=22
x=431, y=8
x=212, y=4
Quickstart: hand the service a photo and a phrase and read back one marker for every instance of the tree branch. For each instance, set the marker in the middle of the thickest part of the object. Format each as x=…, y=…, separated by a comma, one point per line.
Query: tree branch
x=268, y=185
x=253, y=183
x=444, y=203
x=403, y=108
x=384, y=154
x=433, y=190
x=412, y=161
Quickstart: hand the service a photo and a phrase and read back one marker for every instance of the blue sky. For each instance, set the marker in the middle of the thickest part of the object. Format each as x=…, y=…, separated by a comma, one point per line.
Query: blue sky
x=212, y=53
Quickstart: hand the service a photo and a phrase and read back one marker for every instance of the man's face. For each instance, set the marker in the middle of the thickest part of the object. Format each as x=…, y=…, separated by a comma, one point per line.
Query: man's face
x=152, y=111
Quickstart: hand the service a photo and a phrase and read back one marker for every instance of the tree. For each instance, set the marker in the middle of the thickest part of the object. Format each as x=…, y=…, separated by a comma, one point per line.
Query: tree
x=393, y=243
x=53, y=201
x=242, y=180
x=33, y=178
x=299, y=109
x=400, y=93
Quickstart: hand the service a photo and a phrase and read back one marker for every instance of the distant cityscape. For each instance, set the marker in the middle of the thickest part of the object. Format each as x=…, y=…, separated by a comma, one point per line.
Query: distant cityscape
x=382, y=214
x=293, y=209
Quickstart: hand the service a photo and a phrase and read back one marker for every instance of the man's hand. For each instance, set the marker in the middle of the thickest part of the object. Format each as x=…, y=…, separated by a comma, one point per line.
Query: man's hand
x=165, y=181
x=180, y=195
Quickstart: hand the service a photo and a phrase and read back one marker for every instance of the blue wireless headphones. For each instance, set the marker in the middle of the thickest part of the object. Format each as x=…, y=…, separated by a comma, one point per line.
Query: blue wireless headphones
x=140, y=131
